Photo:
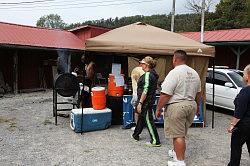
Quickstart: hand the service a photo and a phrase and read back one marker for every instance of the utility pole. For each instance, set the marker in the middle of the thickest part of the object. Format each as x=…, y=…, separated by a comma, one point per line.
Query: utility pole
x=173, y=13
x=202, y=20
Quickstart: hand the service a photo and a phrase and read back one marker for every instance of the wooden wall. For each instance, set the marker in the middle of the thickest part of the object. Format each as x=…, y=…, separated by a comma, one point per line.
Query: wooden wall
x=225, y=57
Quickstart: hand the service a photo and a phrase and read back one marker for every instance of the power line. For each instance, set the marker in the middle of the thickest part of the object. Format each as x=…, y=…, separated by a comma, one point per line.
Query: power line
x=55, y=5
x=41, y=2
x=26, y=2
x=101, y=5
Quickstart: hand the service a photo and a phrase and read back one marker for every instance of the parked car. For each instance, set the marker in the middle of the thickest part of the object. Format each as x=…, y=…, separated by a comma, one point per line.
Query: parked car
x=240, y=72
x=227, y=83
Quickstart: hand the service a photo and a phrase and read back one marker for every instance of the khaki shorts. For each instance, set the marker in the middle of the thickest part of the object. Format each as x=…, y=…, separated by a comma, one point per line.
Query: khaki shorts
x=178, y=117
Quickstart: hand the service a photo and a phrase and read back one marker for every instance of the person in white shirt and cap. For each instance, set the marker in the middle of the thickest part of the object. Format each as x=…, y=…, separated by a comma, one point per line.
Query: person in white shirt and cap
x=136, y=73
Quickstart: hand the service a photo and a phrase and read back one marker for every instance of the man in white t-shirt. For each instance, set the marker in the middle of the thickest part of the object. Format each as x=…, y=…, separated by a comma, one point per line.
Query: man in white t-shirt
x=181, y=95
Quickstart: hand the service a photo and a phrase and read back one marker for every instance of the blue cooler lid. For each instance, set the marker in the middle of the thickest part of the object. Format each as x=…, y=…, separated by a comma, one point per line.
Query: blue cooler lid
x=90, y=111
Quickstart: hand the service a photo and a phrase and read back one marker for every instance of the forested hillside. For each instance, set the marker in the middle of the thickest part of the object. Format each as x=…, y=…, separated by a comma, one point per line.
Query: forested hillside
x=229, y=14
x=184, y=22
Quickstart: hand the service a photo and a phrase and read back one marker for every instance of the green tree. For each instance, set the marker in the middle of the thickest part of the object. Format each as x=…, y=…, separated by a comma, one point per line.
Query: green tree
x=51, y=21
x=230, y=14
x=183, y=22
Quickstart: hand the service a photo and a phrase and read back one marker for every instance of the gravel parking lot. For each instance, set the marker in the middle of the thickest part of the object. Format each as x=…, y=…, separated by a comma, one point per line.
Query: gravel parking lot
x=28, y=136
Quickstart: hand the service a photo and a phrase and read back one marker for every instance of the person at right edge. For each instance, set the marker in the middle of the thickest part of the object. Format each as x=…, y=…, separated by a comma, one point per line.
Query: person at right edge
x=240, y=123
x=180, y=89
x=146, y=87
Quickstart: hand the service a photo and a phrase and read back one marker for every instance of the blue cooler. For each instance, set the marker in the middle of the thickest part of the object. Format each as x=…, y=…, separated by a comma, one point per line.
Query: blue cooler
x=161, y=119
x=200, y=119
x=128, y=112
x=92, y=119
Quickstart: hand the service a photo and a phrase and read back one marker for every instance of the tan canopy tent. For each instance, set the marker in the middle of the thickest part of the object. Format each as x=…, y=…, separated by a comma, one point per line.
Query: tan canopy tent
x=139, y=38
x=146, y=39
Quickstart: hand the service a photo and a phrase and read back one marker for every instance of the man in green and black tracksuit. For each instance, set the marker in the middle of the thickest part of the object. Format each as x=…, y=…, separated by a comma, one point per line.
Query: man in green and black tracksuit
x=147, y=85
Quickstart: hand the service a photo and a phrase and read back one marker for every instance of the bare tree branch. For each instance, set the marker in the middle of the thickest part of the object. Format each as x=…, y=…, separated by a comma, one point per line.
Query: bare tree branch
x=195, y=5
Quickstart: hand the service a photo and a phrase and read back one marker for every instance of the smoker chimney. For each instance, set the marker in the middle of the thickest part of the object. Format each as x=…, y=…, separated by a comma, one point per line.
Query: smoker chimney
x=63, y=62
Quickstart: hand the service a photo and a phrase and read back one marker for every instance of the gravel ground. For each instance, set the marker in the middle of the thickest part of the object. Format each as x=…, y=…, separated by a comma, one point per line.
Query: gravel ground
x=28, y=136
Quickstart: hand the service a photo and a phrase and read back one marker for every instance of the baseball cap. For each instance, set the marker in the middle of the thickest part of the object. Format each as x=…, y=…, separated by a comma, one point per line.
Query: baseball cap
x=147, y=60
x=143, y=62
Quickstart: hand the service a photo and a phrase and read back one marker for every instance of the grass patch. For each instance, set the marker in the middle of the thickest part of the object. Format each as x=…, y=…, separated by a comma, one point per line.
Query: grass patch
x=6, y=120
x=47, y=122
x=11, y=122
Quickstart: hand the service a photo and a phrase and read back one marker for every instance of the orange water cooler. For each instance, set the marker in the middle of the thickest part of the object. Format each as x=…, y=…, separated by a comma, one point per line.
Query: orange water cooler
x=113, y=89
x=98, y=97
x=114, y=98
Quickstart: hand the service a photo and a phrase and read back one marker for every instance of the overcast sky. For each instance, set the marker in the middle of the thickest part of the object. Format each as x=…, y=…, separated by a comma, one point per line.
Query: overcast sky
x=27, y=12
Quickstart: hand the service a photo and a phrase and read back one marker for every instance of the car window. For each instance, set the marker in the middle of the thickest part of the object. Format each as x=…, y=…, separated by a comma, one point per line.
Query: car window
x=220, y=79
x=240, y=73
x=238, y=79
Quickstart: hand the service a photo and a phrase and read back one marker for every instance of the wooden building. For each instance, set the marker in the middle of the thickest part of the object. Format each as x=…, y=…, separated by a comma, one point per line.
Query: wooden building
x=28, y=54
x=86, y=32
x=232, y=46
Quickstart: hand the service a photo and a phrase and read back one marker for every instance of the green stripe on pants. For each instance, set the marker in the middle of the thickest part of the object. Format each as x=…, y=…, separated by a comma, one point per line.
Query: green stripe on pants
x=150, y=129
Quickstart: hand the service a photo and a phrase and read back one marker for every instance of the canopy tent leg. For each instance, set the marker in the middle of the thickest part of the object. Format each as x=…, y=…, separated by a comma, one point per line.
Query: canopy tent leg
x=213, y=108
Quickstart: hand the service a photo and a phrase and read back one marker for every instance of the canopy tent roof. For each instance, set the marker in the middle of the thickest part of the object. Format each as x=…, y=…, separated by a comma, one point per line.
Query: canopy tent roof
x=146, y=39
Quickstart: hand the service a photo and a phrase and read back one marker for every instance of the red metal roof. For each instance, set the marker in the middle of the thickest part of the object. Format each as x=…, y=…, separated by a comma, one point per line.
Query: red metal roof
x=221, y=35
x=13, y=34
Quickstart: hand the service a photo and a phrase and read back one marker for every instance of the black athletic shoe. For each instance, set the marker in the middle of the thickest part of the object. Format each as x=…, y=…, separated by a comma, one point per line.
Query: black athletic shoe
x=135, y=138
